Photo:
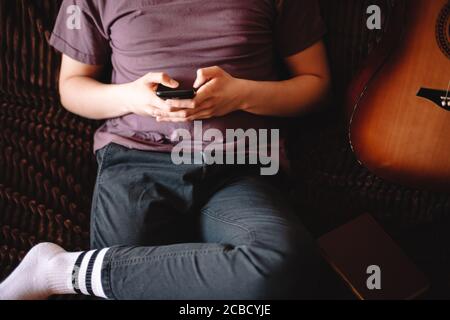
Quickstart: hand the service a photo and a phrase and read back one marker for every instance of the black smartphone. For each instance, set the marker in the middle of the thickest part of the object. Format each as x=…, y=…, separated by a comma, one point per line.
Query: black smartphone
x=166, y=93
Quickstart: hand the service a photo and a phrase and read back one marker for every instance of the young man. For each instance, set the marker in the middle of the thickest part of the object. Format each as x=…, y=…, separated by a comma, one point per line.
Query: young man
x=190, y=231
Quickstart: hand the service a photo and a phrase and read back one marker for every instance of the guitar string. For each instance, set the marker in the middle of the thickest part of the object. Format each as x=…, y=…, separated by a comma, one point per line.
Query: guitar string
x=448, y=89
x=446, y=96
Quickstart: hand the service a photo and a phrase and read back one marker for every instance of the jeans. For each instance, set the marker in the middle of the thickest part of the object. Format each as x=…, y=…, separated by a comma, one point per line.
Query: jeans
x=196, y=232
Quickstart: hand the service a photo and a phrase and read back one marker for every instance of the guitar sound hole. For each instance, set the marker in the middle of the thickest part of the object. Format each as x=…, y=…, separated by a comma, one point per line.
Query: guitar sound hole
x=443, y=30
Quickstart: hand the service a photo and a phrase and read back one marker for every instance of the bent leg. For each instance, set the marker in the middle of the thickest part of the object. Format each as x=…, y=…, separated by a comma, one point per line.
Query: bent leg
x=250, y=213
x=258, y=250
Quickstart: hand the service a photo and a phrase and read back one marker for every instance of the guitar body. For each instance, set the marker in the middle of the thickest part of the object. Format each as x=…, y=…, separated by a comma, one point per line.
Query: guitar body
x=399, y=105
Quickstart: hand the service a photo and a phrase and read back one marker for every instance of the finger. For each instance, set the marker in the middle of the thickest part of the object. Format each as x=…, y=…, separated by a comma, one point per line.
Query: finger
x=154, y=112
x=205, y=108
x=204, y=94
x=205, y=114
x=168, y=119
x=208, y=104
x=182, y=114
x=162, y=78
x=181, y=104
x=206, y=74
x=160, y=104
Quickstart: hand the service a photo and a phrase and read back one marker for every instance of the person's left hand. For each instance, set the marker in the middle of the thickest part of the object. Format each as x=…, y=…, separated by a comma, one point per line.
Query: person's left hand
x=219, y=95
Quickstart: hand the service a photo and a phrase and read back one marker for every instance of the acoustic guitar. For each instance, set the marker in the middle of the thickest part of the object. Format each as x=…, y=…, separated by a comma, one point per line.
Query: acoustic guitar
x=399, y=104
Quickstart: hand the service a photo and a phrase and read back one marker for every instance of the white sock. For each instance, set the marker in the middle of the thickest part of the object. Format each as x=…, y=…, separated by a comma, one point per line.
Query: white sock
x=86, y=275
x=49, y=270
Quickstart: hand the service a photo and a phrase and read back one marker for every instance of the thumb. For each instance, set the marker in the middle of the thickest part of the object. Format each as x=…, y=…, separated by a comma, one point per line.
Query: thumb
x=160, y=78
x=206, y=74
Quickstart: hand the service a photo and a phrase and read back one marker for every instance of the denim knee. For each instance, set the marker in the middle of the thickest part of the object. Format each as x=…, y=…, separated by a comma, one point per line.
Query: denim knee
x=288, y=267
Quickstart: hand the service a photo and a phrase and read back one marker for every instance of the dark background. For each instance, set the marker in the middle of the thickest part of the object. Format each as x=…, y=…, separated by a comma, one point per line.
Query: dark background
x=47, y=169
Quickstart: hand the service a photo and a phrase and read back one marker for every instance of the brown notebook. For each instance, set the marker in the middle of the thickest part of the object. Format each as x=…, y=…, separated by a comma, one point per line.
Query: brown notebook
x=369, y=261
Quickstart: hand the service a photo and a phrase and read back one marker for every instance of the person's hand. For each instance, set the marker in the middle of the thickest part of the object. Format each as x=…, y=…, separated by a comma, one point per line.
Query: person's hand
x=141, y=97
x=219, y=94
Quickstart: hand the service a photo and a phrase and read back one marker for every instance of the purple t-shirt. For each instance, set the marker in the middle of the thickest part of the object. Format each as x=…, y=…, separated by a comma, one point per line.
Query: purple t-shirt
x=245, y=38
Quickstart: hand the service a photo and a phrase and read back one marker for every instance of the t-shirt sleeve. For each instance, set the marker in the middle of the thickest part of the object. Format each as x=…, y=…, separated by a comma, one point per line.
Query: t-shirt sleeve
x=79, y=33
x=299, y=26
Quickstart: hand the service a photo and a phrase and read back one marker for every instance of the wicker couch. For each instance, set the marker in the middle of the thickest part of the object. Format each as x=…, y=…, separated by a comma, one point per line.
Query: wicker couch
x=47, y=169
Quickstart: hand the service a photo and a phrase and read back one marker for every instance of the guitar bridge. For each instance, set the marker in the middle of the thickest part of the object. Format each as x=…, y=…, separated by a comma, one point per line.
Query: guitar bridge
x=439, y=97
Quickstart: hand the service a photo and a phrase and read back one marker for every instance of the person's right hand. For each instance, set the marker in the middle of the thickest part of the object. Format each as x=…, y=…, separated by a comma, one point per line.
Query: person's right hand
x=142, y=99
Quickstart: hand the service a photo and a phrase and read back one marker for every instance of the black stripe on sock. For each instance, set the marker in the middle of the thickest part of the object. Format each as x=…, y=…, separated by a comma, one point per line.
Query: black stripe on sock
x=76, y=272
x=89, y=270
